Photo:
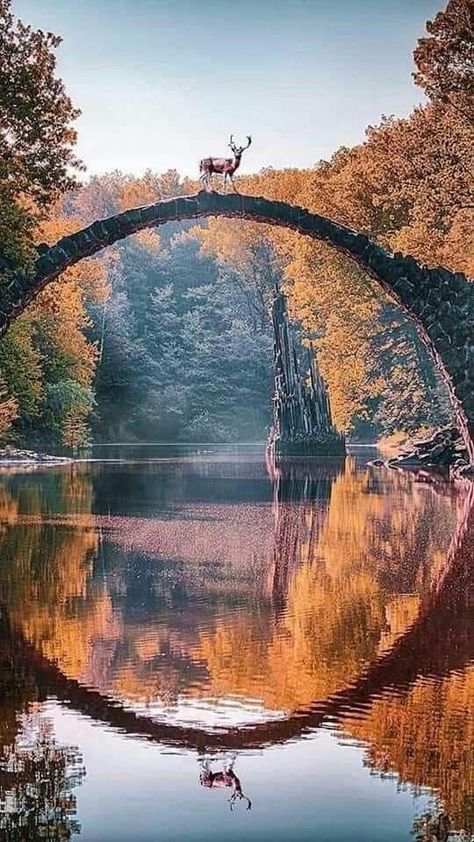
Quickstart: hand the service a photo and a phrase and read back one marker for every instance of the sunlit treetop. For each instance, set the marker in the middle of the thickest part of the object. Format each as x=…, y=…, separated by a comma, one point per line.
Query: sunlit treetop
x=36, y=115
x=445, y=58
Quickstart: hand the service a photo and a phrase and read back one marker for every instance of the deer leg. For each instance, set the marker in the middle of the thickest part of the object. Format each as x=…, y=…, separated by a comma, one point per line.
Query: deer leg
x=233, y=184
x=224, y=181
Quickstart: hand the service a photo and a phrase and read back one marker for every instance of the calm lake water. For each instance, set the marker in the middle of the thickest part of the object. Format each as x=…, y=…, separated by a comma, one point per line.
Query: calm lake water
x=304, y=643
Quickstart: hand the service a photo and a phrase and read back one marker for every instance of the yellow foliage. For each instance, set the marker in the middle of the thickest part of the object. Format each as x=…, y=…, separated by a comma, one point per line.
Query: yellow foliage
x=426, y=738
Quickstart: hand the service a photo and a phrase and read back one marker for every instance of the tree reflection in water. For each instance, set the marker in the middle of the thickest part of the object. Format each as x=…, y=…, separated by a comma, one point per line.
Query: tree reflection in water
x=438, y=827
x=37, y=774
x=284, y=601
x=37, y=778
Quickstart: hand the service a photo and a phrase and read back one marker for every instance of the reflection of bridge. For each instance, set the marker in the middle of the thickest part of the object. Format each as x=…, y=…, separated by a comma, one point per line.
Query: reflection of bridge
x=439, y=641
x=439, y=302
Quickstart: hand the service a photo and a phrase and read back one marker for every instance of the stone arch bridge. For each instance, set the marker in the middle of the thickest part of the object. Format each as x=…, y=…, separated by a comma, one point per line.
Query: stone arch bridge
x=439, y=302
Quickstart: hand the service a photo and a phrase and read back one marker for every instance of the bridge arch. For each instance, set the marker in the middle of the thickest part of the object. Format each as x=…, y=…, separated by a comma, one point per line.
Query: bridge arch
x=440, y=303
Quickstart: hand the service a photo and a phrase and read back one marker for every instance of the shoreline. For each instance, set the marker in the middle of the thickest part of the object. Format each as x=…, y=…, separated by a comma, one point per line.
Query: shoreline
x=18, y=456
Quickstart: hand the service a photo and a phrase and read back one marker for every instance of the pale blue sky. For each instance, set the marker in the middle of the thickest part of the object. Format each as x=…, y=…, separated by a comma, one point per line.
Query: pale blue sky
x=162, y=83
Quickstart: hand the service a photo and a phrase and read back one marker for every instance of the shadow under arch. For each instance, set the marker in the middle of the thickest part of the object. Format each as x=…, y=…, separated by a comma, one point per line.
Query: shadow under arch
x=440, y=640
x=439, y=302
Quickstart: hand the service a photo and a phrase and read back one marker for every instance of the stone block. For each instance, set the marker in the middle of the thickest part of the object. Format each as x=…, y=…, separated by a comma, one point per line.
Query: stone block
x=460, y=380
x=452, y=359
x=306, y=223
x=461, y=334
x=459, y=281
x=14, y=291
x=235, y=203
x=276, y=210
x=444, y=347
x=69, y=246
x=125, y=225
x=44, y=265
x=133, y=217
x=468, y=402
x=352, y=241
x=418, y=304
x=165, y=210
x=405, y=289
x=151, y=213
x=259, y=206
x=207, y=202
x=321, y=227
x=58, y=256
x=84, y=242
x=294, y=215
x=29, y=281
x=444, y=312
x=430, y=319
x=187, y=206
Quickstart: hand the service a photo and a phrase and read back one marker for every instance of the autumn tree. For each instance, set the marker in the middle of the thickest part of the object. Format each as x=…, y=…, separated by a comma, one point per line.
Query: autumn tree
x=47, y=347
x=37, y=779
x=444, y=58
x=47, y=361
x=8, y=410
x=36, y=134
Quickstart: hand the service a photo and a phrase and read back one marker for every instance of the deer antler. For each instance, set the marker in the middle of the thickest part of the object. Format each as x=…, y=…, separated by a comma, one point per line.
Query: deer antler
x=249, y=803
x=249, y=138
x=231, y=140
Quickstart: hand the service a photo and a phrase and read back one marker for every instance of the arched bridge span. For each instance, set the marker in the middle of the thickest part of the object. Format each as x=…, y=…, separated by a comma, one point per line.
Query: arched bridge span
x=441, y=303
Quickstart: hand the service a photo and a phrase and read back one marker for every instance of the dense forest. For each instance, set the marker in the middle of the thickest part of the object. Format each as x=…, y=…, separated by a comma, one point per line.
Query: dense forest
x=167, y=336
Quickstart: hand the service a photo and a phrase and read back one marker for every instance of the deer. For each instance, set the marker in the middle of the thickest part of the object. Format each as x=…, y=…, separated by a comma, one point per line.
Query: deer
x=227, y=778
x=223, y=166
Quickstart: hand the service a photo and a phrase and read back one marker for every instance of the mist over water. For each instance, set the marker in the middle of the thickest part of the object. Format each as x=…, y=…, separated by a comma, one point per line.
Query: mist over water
x=167, y=615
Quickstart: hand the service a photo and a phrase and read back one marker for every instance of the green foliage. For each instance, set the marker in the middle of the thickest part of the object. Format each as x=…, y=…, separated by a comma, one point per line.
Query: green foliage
x=53, y=404
x=20, y=363
x=36, y=135
x=180, y=358
x=36, y=165
x=67, y=407
x=17, y=253
x=8, y=411
x=412, y=395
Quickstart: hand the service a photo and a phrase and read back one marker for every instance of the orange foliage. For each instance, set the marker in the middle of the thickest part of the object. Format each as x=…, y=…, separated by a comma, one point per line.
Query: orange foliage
x=427, y=739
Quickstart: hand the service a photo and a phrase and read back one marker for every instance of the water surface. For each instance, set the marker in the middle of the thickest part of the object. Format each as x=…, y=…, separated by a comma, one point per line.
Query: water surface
x=166, y=616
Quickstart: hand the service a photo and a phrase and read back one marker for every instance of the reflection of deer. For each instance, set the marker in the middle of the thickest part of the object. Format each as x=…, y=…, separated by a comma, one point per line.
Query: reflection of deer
x=226, y=778
x=223, y=166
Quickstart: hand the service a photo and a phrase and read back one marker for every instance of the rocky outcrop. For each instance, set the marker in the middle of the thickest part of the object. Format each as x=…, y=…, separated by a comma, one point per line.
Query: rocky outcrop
x=302, y=420
x=444, y=451
x=13, y=456
x=441, y=303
